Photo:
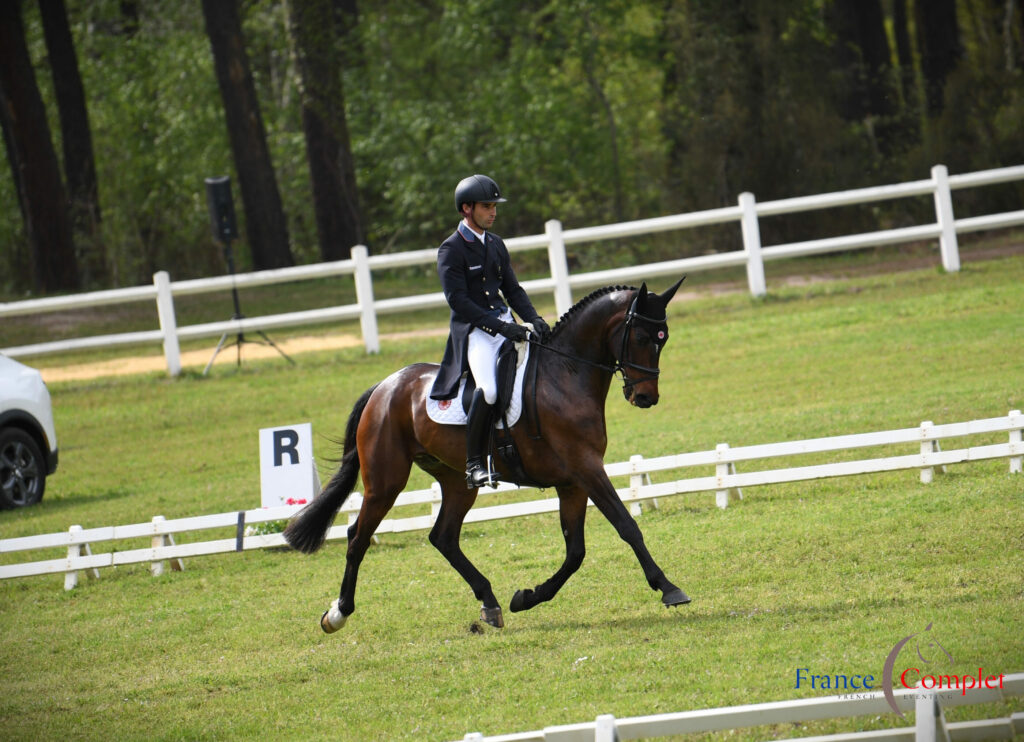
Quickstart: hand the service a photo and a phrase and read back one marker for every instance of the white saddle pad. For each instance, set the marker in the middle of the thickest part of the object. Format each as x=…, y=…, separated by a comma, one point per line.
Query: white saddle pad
x=450, y=412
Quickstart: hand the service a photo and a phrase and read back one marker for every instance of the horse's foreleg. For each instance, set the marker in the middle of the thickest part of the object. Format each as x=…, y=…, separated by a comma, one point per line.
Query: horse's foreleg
x=456, y=502
x=606, y=499
x=572, y=511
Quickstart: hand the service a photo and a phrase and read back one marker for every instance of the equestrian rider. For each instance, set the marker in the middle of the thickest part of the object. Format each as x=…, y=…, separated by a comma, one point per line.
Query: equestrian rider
x=480, y=286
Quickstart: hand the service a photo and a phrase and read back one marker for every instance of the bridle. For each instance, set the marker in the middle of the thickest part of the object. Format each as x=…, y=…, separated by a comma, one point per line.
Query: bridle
x=622, y=363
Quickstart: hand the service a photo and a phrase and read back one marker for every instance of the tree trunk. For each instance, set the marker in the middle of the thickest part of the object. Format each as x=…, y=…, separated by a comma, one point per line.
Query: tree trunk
x=34, y=165
x=331, y=166
x=266, y=228
x=938, y=38
x=863, y=54
x=904, y=53
x=79, y=162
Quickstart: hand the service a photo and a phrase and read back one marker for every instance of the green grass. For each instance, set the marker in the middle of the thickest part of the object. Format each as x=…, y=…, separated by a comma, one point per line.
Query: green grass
x=826, y=575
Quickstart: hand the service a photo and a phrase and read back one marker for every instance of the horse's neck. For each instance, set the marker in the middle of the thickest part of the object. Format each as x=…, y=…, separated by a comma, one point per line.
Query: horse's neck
x=585, y=337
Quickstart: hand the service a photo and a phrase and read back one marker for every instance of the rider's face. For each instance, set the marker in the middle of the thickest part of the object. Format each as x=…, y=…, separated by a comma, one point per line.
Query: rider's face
x=482, y=215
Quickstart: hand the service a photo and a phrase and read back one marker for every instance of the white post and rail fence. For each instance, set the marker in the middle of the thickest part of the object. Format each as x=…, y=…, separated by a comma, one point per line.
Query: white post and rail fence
x=748, y=213
x=924, y=443
x=928, y=705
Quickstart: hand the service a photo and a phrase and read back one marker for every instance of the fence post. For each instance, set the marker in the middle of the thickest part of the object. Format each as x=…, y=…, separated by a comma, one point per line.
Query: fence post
x=752, y=244
x=605, y=729
x=929, y=720
x=929, y=445
x=435, y=501
x=364, y=296
x=559, y=266
x=74, y=551
x=158, y=541
x=636, y=481
x=168, y=323
x=1016, y=438
x=944, y=217
x=722, y=470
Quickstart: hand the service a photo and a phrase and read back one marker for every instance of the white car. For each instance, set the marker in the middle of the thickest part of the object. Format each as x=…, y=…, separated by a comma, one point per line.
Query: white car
x=28, y=440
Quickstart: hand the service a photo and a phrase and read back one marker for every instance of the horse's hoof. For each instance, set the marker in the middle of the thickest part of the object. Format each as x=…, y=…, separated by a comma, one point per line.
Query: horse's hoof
x=675, y=597
x=333, y=619
x=492, y=616
x=519, y=601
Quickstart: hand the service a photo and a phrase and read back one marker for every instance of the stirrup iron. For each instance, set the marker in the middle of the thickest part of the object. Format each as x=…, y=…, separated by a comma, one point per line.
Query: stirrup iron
x=480, y=475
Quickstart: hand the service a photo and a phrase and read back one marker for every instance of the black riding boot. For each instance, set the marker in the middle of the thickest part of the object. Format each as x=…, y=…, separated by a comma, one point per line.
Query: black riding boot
x=477, y=435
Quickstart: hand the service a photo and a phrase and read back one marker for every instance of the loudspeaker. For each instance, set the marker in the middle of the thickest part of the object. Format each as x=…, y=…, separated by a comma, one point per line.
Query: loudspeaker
x=222, y=210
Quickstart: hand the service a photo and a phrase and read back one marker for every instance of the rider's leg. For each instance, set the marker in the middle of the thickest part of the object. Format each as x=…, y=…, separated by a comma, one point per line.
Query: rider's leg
x=482, y=354
x=480, y=417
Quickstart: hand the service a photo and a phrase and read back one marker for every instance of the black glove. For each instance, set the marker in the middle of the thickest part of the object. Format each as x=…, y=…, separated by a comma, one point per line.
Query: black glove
x=541, y=328
x=515, y=333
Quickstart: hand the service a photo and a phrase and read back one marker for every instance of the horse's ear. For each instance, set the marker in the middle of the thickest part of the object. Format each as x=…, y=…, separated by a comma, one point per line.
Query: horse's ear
x=667, y=296
x=641, y=295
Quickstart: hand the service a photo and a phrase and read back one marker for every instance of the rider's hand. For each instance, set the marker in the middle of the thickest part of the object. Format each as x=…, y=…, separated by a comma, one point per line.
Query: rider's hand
x=515, y=333
x=541, y=328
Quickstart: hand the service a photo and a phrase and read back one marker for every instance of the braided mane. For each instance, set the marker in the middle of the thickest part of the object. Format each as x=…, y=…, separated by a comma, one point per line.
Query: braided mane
x=576, y=308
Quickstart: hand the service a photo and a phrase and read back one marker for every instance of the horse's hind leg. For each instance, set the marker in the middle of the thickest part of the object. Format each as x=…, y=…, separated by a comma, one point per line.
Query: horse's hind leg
x=381, y=487
x=572, y=511
x=456, y=501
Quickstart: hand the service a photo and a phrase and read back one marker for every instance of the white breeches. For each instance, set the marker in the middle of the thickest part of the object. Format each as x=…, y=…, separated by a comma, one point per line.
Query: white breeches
x=482, y=354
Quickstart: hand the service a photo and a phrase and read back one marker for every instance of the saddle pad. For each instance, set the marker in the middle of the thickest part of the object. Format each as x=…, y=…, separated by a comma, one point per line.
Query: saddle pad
x=450, y=412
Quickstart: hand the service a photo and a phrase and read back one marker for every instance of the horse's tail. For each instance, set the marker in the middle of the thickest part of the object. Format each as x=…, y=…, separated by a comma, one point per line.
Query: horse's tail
x=308, y=529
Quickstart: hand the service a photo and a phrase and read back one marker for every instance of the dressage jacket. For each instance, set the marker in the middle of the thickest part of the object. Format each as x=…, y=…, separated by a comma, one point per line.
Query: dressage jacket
x=477, y=281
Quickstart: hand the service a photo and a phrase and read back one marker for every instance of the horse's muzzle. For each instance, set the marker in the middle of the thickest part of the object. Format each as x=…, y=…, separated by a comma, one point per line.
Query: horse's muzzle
x=644, y=401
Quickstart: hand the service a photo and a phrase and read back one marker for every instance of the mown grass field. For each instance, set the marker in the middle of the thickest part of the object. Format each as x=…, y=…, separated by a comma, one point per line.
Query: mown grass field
x=822, y=575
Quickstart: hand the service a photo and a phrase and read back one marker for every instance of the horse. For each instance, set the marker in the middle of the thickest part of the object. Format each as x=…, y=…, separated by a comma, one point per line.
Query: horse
x=616, y=329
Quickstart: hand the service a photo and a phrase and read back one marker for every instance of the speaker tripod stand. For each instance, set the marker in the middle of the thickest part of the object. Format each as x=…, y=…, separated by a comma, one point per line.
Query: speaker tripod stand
x=240, y=338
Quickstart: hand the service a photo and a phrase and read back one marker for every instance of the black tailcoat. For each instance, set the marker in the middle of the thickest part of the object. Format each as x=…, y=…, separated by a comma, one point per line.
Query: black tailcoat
x=477, y=281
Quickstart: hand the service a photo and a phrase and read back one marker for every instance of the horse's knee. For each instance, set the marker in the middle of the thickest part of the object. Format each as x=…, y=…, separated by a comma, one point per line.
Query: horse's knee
x=442, y=541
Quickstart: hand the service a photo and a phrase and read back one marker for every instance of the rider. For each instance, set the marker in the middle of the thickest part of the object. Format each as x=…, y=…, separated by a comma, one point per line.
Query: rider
x=480, y=285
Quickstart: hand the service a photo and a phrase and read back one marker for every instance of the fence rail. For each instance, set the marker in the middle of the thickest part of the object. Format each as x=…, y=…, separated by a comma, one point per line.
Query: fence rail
x=726, y=483
x=929, y=719
x=747, y=213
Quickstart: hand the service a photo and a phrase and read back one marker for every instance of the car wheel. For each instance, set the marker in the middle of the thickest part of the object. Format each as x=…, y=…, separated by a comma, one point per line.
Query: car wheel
x=22, y=469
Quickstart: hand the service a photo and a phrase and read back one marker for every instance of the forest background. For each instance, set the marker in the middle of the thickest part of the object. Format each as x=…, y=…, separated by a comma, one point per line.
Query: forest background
x=343, y=122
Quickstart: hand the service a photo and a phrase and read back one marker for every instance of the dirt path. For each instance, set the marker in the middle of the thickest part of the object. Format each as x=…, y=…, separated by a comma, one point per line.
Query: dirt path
x=197, y=359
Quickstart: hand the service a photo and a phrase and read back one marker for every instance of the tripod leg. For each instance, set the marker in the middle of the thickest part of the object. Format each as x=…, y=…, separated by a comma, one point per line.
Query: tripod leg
x=274, y=346
x=215, y=352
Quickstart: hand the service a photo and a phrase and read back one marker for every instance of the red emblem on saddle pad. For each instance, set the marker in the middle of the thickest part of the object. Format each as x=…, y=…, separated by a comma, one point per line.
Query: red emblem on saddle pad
x=444, y=404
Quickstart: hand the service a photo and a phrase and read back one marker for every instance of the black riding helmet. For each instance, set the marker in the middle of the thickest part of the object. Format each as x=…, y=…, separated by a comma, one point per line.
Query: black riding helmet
x=477, y=189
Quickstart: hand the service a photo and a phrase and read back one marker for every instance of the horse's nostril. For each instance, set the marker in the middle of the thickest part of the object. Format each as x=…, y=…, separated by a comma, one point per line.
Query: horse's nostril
x=643, y=400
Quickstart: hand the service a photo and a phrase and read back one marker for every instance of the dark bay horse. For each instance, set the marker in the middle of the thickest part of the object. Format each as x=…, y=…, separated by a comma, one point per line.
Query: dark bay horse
x=615, y=329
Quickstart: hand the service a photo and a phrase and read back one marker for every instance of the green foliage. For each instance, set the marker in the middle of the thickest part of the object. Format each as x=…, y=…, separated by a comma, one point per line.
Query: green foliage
x=585, y=112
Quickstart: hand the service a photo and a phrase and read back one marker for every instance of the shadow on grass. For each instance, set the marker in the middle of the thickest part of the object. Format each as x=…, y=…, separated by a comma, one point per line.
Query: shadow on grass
x=693, y=617
x=75, y=499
